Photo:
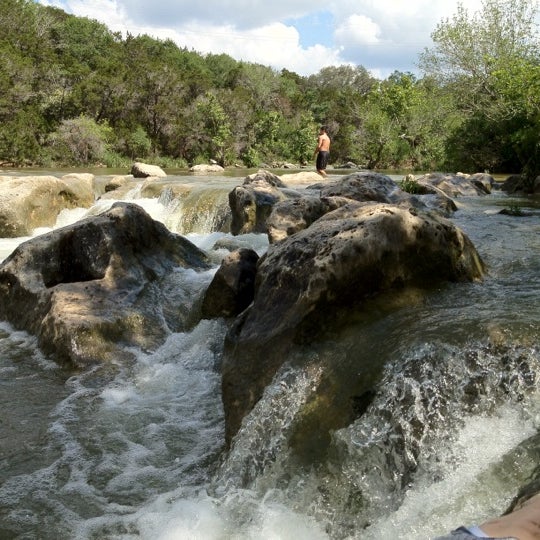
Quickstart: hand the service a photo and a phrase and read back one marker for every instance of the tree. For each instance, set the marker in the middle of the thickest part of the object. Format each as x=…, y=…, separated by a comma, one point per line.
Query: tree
x=138, y=144
x=213, y=127
x=519, y=88
x=155, y=89
x=467, y=46
x=473, y=56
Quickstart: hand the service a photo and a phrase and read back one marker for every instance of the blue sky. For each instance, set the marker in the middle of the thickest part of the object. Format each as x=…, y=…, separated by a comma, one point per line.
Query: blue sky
x=314, y=28
x=299, y=35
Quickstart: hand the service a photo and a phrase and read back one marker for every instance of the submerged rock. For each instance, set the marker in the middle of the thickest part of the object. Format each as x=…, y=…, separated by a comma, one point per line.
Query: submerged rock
x=309, y=279
x=205, y=169
x=91, y=289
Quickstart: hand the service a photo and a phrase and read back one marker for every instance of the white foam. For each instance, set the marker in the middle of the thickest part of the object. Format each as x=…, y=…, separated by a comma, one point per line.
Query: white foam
x=7, y=245
x=470, y=490
x=183, y=519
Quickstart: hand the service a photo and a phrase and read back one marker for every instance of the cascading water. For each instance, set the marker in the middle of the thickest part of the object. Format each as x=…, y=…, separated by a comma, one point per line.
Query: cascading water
x=136, y=451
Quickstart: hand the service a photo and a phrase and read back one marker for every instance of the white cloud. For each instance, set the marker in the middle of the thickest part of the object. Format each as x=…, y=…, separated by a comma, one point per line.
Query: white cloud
x=243, y=14
x=381, y=35
x=275, y=45
x=357, y=30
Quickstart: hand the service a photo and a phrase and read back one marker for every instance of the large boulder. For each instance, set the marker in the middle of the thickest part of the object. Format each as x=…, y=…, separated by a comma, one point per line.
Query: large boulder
x=518, y=184
x=302, y=178
x=90, y=289
x=308, y=280
x=29, y=202
x=144, y=170
x=252, y=202
x=263, y=176
x=292, y=215
x=231, y=291
x=458, y=185
x=366, y=186
x=116, y=182
x=483, y=181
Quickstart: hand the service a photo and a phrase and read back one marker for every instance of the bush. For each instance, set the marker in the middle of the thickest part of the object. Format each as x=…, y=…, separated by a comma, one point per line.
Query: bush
x=166, y=162
x=80, y=141
x=115, y=160
x=251, y=158
x=138, y=143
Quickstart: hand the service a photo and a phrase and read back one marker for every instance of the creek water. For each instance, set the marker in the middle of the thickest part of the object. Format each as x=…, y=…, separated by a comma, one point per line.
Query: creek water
x=136, y=452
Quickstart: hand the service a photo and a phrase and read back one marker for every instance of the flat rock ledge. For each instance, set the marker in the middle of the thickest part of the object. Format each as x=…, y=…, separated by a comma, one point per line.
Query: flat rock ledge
x=30, y=202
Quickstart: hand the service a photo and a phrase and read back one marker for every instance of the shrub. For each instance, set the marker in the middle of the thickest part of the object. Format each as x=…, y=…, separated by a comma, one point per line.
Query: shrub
x=80, y=141
x=411, y=185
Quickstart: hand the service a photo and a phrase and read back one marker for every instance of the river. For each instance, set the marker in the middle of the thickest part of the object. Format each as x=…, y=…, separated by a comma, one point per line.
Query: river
x=136, y=452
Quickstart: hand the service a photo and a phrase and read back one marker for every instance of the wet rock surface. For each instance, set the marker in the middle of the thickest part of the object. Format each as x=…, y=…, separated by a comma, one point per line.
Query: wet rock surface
x=91, y=289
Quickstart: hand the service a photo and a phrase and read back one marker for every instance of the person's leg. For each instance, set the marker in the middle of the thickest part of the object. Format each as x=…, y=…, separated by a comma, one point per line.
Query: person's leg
x=523, y=523
x=322, y=160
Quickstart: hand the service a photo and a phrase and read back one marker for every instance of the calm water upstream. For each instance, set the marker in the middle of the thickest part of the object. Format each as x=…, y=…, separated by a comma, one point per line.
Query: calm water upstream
x=137, y=452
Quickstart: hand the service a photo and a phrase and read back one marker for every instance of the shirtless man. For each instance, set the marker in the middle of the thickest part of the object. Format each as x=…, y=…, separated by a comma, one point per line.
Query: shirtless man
x=521, y=524
x=322, y=152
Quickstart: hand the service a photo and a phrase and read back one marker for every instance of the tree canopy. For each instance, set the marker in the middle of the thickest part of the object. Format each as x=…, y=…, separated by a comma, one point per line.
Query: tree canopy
x=74, y=92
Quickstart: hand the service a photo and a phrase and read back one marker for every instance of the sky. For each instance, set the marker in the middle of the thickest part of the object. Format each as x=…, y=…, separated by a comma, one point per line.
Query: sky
x=299, y=35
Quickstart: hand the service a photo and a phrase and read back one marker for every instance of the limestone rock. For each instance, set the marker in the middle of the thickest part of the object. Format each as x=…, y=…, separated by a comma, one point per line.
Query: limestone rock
x=483, y=181
x=29, y=202
x=305, y=281
x=204, y=169
x=519, y=184
x=301, y=178
x=231, y=291
x=116, y=182
x=363, y=187
x=455, y=185
x=80, y=183
x=290, y=216
x=90, y=289
x=143, y=170
x=252, y=203
x=263, y=176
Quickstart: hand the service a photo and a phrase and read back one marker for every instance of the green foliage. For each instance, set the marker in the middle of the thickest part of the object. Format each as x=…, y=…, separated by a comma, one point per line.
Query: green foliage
x=213, y=126
x=302, y=139
x=166, y=162
x=138, y=144
x=519, y=87
x=74, y=92
x=411, y=185
x=115, y=160
x=251, y=157
x=489, y=61
x=80, y=141
x=513, y=210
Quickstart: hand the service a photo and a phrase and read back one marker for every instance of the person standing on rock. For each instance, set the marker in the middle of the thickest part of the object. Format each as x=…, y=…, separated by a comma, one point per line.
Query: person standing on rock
x=322, y=152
